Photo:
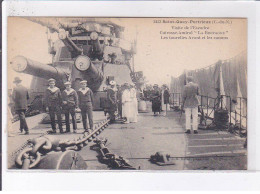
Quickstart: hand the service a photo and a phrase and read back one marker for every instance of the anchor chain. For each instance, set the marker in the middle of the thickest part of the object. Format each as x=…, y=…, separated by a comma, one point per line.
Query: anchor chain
x=112, y=160
x=31, y=156
x=26, y=144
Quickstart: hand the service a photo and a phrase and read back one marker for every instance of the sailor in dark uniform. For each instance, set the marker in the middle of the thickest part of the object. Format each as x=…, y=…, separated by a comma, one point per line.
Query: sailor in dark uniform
x=85, y=95
x=53, y=102
x=119, y=100
x=112, y=101
x=70, y=104
x=20, y=97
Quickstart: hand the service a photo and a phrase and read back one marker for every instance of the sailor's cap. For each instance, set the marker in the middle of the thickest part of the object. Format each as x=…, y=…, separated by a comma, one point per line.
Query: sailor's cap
x=67, y=83
x=83, y=81
x=112, y=82
x=155, y=85
x=51, y=80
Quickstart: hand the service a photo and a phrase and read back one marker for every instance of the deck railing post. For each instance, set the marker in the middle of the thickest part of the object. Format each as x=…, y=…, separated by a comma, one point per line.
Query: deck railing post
x=173, y=99
x=207, y=106
x=179, y=99
x=240, y=116
x=201, y=101
x=230, y=110
x=246, y=113
x=235, y=116
x=221, y=98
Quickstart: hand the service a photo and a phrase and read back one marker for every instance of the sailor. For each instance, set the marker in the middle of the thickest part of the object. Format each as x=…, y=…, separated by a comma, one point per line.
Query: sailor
x=85, y=95
x=20, y=97
x=53, y=101
x=156, y=100
x=126, y=103
x=70, y=104
x=112, y=101
x=190, y=104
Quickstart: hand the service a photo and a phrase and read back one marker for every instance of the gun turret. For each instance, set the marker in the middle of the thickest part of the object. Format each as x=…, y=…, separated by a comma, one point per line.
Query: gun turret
x=89, y=49
x=96, y=52
x=24, y=65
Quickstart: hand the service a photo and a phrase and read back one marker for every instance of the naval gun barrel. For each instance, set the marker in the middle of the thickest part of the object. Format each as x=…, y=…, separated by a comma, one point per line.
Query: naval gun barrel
x=89, y=71
x=24, y=65
x=67, y=40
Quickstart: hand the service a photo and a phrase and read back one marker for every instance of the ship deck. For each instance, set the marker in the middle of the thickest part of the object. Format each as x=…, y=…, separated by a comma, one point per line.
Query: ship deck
x=138, y=141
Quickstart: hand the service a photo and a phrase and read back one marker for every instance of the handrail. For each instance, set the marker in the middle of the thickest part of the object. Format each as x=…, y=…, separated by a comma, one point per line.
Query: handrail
x=204, y=103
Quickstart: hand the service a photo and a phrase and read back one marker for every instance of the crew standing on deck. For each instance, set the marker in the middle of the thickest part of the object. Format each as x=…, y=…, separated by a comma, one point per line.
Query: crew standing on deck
x=156, y=100
x=53, y=101
x=70, y=104
x=85, y=95
x=112, y=101
x=20, y=97
x=190, y=104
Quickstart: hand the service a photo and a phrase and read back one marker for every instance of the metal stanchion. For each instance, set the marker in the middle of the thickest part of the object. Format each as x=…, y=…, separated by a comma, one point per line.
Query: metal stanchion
x=230, y=111
x=207, y=106
x=221, y=104
x=240, y=116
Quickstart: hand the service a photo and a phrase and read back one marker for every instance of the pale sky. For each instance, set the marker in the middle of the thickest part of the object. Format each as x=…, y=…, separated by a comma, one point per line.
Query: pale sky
x=158, y=58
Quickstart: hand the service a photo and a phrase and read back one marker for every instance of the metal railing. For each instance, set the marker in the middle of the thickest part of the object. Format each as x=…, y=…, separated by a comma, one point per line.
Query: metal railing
x=237, y=107
x=176, y=99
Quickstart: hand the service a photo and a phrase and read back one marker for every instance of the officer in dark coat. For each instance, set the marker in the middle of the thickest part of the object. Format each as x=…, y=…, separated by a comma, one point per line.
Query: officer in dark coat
x=53, y=101
x=166, y=96
x=119, y=100
x=20, y=97
x=70, y=104
x=85, y=95
x=112, y=101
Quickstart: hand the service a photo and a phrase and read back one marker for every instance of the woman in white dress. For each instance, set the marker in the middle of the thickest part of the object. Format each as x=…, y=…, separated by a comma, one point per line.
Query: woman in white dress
x=134, y=107
x=126, y=103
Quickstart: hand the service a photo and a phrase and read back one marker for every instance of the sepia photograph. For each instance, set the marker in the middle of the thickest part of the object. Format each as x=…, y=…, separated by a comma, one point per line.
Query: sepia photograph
x=127, y=94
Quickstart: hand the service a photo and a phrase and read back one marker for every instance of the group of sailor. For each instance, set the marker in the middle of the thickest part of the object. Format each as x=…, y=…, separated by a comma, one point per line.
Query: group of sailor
x=70, y=102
